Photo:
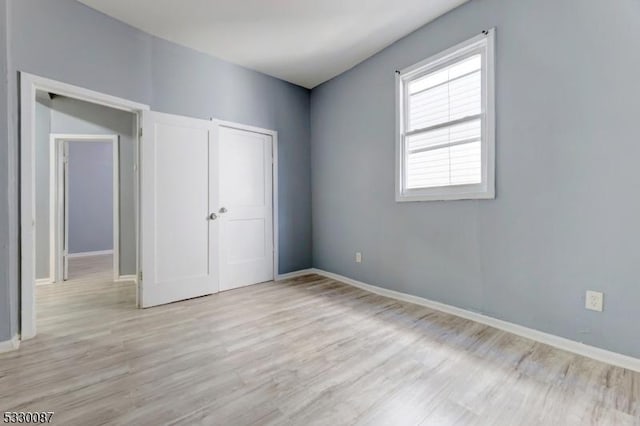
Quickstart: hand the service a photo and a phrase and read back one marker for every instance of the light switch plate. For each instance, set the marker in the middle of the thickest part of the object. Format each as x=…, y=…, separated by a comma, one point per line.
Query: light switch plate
x=358, y=257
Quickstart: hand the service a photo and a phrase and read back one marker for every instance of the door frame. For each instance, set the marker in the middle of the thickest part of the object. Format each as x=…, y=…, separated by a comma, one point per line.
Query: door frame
x=59, y=214
x=29, y=84
x=274, y=170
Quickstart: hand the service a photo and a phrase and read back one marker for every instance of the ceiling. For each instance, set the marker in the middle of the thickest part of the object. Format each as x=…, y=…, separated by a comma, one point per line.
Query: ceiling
x=306, y=42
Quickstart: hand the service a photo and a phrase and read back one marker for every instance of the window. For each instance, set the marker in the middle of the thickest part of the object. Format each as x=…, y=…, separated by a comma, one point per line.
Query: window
x=445, y=145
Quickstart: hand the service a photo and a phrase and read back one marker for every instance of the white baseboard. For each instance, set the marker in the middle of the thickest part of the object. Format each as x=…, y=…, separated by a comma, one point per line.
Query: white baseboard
x=593, y=352
x=43, y=281
x=10, y=345
x=90, y=253
x=125, y=278
x=295, y=274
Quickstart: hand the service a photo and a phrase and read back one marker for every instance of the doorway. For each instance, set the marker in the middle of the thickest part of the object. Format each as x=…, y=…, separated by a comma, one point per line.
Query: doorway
x=72, y=102
x=85, y=205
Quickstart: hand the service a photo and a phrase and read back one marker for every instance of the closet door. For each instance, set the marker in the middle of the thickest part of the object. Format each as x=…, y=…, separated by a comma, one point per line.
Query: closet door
x=246, y=207
x=179, y=237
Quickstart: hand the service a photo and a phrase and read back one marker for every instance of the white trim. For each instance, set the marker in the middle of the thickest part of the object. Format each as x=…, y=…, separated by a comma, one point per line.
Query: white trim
x=126, y=278
x=10, y=345
x=136, y=202
x=62, y=273
x=294, y=274
x=29, y=83
x=44, y=281
x=483, y=44
x=93, y=253
x=57, y=187
x=274, y=204
x=77, y=92
x=274, y=148
x=53, y=178
x=602, y=355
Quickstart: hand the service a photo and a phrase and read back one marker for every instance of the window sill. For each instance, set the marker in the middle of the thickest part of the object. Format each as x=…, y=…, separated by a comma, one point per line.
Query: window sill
x=444, y=196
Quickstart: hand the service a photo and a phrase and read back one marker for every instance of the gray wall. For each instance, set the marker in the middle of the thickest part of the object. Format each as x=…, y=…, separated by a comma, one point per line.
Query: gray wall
x=90, y=197
x=67, y=41
x=568, y=189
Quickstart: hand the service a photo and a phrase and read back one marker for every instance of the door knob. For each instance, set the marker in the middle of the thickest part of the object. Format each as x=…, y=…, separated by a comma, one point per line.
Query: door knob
x=222, y=210
x=213, y=216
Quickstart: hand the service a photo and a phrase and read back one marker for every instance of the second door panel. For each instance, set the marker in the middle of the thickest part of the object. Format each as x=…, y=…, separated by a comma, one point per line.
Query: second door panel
x=246, y=186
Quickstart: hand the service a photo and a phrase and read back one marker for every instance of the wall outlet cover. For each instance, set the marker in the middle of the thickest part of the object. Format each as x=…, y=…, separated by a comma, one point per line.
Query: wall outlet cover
x=594, y=301
x=358, y=257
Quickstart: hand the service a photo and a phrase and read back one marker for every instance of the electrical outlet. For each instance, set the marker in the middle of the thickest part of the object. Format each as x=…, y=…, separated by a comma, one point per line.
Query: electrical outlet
x=594, y=301
x=358, y=257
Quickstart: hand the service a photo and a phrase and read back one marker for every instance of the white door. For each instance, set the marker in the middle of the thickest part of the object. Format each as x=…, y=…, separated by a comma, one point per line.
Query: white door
x=179, y=232
x=246, y=215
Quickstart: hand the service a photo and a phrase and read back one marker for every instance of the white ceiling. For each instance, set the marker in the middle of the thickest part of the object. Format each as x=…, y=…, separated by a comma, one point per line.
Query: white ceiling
x=305, y=42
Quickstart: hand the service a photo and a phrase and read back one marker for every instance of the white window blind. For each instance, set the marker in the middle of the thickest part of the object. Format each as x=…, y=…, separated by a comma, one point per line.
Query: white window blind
x=444, y=120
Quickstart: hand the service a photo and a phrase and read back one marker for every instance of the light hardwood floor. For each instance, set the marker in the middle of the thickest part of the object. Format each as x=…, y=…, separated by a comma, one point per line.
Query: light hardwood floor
x=300, y=352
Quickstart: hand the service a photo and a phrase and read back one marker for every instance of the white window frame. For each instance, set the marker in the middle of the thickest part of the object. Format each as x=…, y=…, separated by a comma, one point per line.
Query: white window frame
x=483, y=44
